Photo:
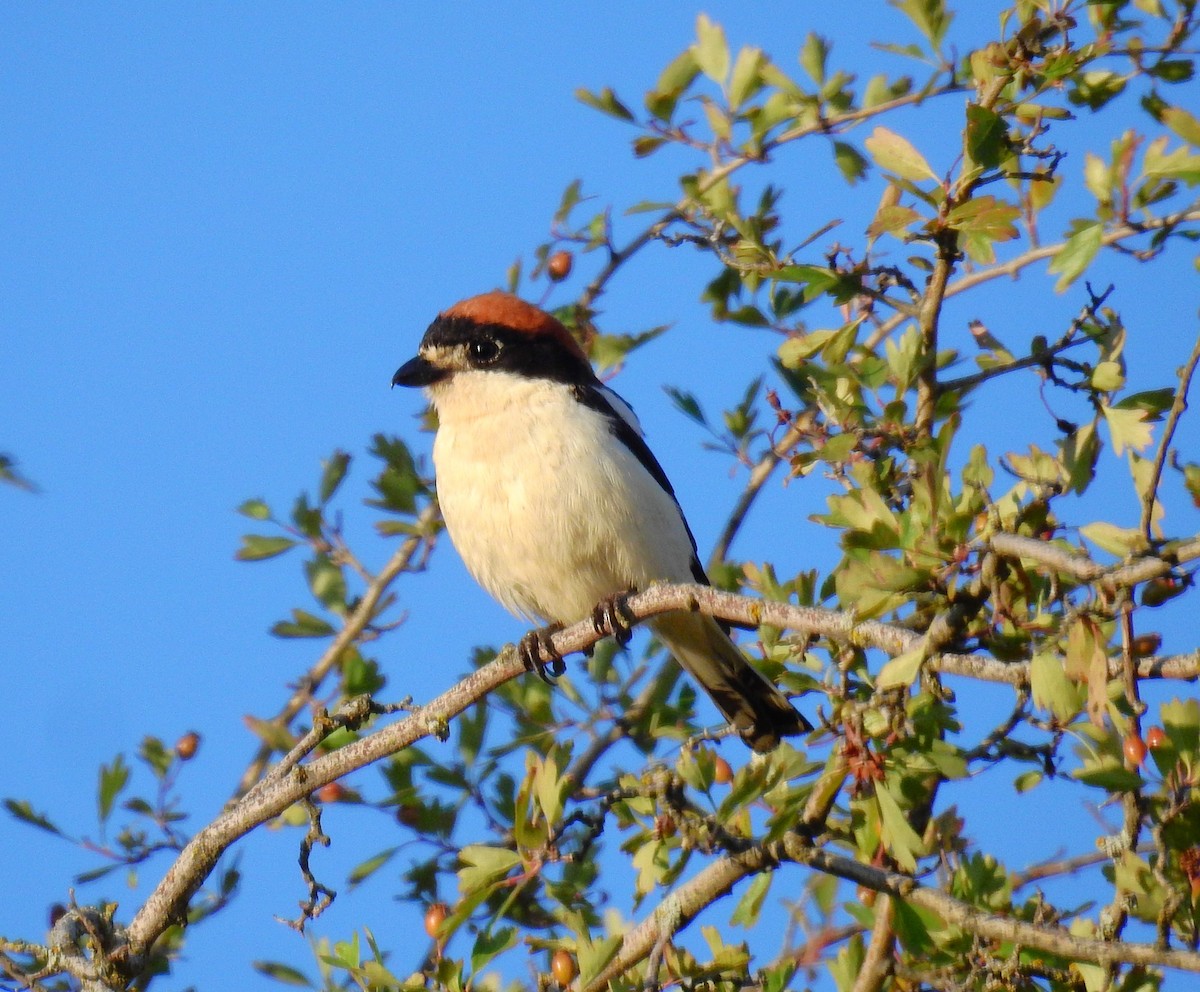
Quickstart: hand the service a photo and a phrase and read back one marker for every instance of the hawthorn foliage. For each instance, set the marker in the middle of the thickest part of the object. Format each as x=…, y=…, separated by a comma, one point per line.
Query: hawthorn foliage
x=592, y=833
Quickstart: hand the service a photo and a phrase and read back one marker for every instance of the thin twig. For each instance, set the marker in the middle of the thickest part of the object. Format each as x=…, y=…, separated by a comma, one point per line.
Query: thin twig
x=355, y=624
x=1178, y=406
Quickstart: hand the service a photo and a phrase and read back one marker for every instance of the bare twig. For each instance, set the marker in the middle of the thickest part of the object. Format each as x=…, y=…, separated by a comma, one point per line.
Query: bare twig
x=1178, y=406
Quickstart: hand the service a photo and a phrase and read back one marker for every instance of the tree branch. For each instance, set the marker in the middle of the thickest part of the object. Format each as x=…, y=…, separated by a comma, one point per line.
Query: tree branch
x=682, y=905
x=355, y=624
x=1178, y=406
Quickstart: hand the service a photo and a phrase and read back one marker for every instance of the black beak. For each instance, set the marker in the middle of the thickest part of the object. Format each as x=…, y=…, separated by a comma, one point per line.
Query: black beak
x=417, y=372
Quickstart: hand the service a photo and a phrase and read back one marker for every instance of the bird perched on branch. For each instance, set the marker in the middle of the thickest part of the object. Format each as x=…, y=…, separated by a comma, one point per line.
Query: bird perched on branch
x=557, y=505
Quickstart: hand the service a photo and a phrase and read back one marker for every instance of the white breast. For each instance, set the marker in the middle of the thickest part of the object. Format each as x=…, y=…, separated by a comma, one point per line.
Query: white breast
x=550, y=512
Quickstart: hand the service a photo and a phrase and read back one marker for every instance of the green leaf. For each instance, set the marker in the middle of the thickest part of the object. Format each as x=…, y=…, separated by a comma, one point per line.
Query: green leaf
x=930, y=16
x=1128, y=428
x=897, y=155
x=255, y=509
x=302, y=624
x=113, y=778
x=1108, y=377
x=1076, y=254
x=900, y=671
x=746, y=79
x=1183, y=124
x=1052, y=690
x=490, y=944
x=813, y=55
x=24, y=812
x=365, y=869
x=1107, y=772
x=482, y=865
x=673, y=81
x=687, y=404
x=594, y=957
x=10, y=475
x=1119, y=541
x=850, y=162
x=901, y=840
x=987, y=143
x=606, y=102
x=711, y=49
x=257, y=547
x=282, y=973
x=334, y=471
x=749, y=907
x=327, y=582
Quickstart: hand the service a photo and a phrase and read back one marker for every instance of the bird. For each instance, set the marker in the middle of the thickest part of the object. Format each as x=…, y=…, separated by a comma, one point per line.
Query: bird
x=555, y=502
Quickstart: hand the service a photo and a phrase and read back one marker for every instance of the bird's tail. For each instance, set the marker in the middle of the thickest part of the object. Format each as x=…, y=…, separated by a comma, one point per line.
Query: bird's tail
x=759, y=712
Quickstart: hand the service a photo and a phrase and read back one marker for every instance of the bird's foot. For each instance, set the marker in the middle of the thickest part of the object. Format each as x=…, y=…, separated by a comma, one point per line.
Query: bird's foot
x=610, y=618
x=538, y=653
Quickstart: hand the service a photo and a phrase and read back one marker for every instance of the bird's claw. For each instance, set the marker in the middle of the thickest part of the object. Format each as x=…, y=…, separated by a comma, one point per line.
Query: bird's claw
x=609, y=618
x=538, y=653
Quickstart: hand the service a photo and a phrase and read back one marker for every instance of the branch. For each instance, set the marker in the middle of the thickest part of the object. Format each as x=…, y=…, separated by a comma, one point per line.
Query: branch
x=355, y=624
x=1177, y=408
x=1015, y=265
x=168, y=902
x=718, y=879
x=1079, y=566
x=759, y=475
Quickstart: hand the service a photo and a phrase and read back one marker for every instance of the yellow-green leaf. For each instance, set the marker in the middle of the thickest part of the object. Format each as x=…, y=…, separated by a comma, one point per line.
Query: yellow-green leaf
x=900, y=671
x=1076, y=254
x=897, y=155
x=1128, y=428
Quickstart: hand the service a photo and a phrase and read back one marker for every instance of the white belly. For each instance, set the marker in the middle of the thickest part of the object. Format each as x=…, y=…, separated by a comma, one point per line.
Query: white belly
x=548, y=526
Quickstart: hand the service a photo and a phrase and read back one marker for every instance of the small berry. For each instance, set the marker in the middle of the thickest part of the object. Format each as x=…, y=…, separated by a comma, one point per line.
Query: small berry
x=435, y=916
x=331, y=792
x=559, y=265
x=1135, y=750
x=1145, y=644
x=722, y=771
x=1156, y=737
x=563, y=967
x=186, y=746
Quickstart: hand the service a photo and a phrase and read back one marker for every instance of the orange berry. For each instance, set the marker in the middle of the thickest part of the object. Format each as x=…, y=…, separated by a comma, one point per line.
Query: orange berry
x=563, y=967
x=722, y=771
x=331, y=792
x=435, y=916
x=1145, y=644
x=1135, y=750
x=1156, y=737
x=559, y=265
x=185, y=747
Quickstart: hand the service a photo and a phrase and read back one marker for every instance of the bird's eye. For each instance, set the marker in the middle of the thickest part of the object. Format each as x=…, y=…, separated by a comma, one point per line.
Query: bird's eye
x=484, y=352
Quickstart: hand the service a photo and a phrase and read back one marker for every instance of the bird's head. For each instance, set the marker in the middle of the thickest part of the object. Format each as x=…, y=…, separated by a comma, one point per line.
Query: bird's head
x=495, y=332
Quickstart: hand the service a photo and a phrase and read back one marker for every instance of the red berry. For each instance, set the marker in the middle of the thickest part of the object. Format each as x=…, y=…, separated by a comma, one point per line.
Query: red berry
x=722, y=771
x=1156, y=737
x=331, y=792
x=1135, y=750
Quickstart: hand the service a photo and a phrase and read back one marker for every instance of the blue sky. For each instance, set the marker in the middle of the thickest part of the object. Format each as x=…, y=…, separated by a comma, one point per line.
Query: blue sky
x=225, y=226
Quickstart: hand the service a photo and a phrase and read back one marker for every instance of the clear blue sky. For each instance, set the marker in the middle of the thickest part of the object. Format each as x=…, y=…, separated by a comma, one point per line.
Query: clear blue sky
x=225, y=226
